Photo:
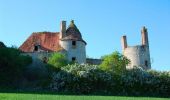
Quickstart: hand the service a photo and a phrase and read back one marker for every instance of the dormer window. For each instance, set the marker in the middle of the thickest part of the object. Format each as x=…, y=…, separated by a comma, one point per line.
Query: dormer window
x=36, y=48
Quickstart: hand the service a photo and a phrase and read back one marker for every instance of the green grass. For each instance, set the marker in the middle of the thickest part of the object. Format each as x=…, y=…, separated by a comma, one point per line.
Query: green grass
x=22, y=96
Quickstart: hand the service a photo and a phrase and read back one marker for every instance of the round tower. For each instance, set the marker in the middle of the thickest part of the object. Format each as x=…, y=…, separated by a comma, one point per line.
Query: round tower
x=139, y=55
x=71, y=41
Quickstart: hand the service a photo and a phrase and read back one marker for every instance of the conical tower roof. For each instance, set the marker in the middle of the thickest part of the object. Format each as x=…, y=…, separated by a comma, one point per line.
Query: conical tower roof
x=73, y=33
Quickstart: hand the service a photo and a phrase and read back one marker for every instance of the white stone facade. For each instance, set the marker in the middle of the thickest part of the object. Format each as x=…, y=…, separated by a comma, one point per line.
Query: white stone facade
x=138, y=55
x=77, y=51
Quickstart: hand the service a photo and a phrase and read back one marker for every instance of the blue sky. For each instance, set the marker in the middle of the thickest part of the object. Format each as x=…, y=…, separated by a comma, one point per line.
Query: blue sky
x=101, y=22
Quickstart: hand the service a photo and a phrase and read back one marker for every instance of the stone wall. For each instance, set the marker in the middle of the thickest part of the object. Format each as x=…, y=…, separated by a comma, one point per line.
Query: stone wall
x=93, y=61
x=138, y=55
x=38, y=58
x=78, y=51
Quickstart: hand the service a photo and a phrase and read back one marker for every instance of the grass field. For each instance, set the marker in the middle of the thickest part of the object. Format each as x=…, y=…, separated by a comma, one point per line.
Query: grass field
x=22, y=96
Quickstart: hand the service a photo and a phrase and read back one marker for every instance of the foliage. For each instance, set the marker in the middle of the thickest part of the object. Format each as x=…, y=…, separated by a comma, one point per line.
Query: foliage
x=90, y=79
x=139, y=82
x=2, y=45
x=57, y=60
x=12, y=65
x=110, y=78
x=81, y=78
x=114, y=62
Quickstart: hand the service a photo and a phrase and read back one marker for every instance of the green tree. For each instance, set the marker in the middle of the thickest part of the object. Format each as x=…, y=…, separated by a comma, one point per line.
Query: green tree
x=2, y=45
x=114, y=62
x=57, y=60
x=12, y=66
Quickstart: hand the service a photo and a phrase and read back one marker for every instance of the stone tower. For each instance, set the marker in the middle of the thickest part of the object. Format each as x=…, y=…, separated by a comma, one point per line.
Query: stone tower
x=71, y=41
x=139, y=55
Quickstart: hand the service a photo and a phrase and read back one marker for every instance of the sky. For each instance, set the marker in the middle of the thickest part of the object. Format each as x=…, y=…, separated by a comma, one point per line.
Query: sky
x=101, y=23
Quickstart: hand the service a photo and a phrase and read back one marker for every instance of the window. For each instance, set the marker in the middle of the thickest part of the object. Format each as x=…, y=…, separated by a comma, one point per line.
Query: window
x=146, y=63
x=73, y=59
x=74, y=43
x=35, y=48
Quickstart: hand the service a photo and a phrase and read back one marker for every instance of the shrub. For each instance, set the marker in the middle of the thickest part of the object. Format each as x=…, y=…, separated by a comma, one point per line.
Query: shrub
x=148, y=83
x=90, y=79
x=12, y=66
x=81, y=79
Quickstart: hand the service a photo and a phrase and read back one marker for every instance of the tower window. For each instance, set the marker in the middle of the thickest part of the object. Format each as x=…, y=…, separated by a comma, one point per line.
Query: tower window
x=35, y=48
x=146, y=63
x=74, y=43
x=73, y=59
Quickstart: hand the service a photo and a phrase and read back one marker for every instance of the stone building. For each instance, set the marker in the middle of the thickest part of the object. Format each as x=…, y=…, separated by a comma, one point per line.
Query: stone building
x=139, y=55
x=68, y=41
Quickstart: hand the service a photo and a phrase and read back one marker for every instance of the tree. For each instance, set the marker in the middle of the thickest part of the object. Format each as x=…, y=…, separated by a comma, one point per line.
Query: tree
x=114, y=62
x=2, y=45
x=12, y=66
x=57, y=60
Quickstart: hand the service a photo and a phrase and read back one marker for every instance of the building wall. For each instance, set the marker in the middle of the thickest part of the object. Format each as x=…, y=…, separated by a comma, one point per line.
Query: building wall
x=138, y=55
x=78, y=51
x=93, y=61
x=38, y=57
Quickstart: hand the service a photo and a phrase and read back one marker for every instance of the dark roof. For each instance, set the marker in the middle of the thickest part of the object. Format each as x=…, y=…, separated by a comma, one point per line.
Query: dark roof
x=48, y=41
x=73, y=33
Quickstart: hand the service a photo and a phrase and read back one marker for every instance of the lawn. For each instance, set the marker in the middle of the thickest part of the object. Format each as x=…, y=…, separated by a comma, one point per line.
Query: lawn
x=22, y=96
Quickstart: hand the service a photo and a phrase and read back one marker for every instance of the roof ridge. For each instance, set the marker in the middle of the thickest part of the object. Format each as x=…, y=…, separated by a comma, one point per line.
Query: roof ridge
x=44, y=32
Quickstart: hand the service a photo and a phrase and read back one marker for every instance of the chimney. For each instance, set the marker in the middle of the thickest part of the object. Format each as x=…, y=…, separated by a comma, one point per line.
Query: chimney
x=124, y=42
x=144, y=34
x=62, y=29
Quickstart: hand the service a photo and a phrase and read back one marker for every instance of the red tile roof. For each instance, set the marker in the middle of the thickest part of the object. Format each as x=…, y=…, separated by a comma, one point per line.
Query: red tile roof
x=48, y=41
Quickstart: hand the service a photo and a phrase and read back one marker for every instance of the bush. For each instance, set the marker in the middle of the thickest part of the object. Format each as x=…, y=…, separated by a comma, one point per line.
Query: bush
x=148, y=83
x=12, y=66
x=81, y=79
x=90, y=79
